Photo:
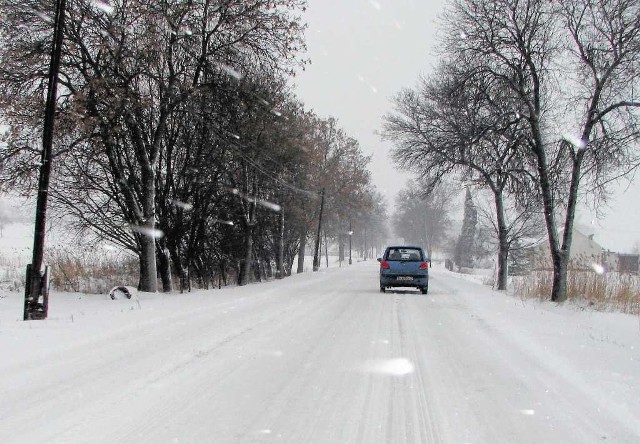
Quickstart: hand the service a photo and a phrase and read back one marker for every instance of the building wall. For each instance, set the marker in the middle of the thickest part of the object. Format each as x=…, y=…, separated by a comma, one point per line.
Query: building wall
x=585, y=251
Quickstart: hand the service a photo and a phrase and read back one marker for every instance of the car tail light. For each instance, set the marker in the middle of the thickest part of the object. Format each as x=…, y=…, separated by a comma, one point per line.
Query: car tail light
x=384, y=264
x=424, y=265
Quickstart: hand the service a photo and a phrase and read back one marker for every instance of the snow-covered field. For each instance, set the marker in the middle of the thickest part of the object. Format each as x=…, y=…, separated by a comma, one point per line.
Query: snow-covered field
x=319, y=357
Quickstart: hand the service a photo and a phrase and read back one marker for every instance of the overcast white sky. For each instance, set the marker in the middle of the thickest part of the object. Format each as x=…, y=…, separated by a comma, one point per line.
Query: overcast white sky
x=364, y=51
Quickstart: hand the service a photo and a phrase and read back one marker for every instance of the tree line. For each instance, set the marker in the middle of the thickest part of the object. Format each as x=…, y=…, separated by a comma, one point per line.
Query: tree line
x=178, y=137
x=533, y=101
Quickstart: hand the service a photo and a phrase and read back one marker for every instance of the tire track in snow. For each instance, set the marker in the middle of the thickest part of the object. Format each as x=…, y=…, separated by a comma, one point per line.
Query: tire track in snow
x=116, y=358
x=422, y=419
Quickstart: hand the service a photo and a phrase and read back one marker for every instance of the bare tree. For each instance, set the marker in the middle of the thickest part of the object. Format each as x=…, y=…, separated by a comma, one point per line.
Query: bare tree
x=125, y=74
x=423, y=214
x=523, y=220
x=458, y=123
x=573, y=67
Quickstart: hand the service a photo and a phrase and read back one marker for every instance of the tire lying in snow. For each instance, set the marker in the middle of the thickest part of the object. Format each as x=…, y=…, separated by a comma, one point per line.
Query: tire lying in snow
x=120, y=292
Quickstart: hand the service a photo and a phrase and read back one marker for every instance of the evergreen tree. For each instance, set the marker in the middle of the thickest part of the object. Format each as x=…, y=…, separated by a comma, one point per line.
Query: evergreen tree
x=465, y=246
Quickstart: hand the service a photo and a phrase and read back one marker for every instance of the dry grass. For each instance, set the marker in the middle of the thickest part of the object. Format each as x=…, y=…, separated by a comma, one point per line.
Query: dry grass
x=90, y=271
x=87, y=271
x=12, y=273
x=603, y=292
x=489, y=280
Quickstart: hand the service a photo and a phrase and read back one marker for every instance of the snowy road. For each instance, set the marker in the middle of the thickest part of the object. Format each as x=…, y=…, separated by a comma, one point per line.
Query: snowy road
x=321, y=358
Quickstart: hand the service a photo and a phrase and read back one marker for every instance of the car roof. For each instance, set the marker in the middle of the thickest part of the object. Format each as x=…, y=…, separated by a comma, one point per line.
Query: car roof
x=404, y=246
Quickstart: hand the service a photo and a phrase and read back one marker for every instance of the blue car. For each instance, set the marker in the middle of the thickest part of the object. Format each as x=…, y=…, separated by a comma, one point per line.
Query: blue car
x=404, y=266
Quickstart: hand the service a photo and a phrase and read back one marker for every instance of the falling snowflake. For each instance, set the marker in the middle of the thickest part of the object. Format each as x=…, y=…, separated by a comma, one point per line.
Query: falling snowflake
x=147, y=231
x=230, y=71
x=103, y=6
x=265, y=203
x=575, y=141
x=184, y=205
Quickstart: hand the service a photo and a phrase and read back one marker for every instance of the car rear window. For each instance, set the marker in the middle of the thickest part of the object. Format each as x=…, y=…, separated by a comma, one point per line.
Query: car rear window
x=404, y=254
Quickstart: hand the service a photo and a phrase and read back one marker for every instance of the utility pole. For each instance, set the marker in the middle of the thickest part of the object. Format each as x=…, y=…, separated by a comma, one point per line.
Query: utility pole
x=37, y=283
x=316, y=254
x=350, y=234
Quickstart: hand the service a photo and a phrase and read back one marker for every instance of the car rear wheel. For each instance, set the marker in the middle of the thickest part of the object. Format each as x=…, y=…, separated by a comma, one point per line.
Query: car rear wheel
x=425, y=289
x=382, y=289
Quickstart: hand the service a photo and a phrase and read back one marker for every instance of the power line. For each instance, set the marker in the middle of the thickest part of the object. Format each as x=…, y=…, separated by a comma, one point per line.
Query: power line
x=237, y=147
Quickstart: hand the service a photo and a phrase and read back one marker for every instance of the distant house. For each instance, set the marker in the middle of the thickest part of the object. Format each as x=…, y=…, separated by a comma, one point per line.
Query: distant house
x=585, y=251
x=587, y=254
x=584, y=254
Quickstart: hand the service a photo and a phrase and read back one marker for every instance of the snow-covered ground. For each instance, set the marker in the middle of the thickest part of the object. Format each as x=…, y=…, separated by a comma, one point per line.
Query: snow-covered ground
x=318, y=357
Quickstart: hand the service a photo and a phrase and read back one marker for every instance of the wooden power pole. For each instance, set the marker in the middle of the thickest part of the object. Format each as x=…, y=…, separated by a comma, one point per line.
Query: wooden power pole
x=36, y=301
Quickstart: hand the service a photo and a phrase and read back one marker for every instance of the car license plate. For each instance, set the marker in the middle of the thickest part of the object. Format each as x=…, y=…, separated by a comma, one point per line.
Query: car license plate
x=405, y=278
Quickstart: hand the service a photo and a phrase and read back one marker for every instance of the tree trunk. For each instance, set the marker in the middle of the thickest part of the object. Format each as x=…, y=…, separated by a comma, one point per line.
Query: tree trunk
x=503, y=245
x=214, y=276
x=179, y=269
x=559, y=288
x=245, y=273
x=301, y=251
x=148, y=277
x=326, y=250
x=223, y=271
x=148, y=269
x=164, y=268
x=268, y=268
x=288, y=265
x=259, y=272
x=196, y=265
x=559, y=253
